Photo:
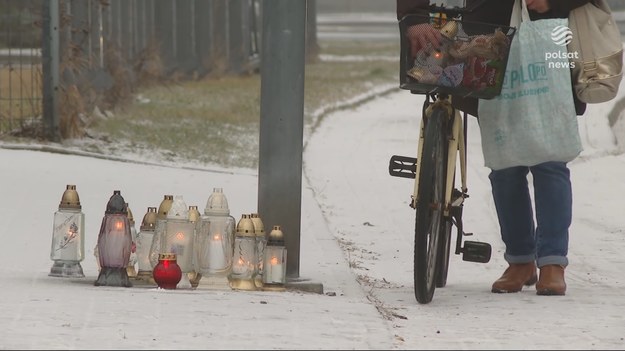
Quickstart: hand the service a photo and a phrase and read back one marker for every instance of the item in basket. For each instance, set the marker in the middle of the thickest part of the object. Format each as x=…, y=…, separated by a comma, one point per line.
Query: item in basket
x=481, y=73
x=452, y=75
x=425, y=74
x=450, y=30
x=429, y=56
x=436, y=58
x=490, y=46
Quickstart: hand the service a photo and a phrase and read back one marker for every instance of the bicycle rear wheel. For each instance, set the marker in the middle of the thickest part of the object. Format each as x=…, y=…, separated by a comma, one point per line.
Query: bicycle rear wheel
x=430, y=229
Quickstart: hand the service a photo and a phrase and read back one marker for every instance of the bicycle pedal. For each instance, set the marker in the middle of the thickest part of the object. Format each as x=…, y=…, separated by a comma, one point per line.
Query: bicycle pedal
x=402, y=166
x=475, y=251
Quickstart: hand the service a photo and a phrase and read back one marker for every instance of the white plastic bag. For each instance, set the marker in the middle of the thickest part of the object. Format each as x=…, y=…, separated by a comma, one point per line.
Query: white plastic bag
x=533, y=120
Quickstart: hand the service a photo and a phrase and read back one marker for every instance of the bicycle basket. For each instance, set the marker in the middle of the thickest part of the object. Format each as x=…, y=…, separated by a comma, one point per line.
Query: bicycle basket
x=470, y=62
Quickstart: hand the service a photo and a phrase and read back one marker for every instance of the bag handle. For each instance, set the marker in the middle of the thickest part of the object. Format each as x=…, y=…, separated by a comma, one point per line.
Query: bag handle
x=582, y=19
x=525, y=15
x=519, y=13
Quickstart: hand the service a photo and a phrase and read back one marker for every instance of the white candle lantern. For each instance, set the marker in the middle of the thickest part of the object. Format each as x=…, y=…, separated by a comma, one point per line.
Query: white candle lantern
x=144, y=243
x=132, y=262
x=68, y=236
x=214, y=241
x=261, y=242
x=176, y=235
x=245, y=257
x=274, y=276
x=114, y=244
x=161, y=216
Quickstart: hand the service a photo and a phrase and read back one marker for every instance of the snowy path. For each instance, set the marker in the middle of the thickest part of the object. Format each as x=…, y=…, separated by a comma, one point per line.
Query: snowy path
x=357, y=240
x=346, y=164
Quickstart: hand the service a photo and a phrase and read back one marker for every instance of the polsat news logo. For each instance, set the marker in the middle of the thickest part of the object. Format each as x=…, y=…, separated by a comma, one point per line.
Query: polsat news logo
x=561, y=36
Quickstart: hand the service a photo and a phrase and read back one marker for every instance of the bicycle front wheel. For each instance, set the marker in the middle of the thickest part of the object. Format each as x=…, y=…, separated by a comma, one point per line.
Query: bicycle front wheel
x=429, y=224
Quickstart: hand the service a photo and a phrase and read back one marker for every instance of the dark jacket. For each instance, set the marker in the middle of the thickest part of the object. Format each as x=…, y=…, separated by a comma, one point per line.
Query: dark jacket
x=495, y=12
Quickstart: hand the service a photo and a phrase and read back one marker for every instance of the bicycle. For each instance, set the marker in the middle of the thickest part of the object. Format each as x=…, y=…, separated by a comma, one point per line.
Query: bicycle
x=441, y=149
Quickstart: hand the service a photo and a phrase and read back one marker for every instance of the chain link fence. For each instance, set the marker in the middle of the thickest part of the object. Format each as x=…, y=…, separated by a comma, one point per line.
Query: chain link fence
x=20, y=64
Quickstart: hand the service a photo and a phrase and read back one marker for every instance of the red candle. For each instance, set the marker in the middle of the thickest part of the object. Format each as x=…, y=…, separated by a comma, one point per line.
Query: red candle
x=167, y=272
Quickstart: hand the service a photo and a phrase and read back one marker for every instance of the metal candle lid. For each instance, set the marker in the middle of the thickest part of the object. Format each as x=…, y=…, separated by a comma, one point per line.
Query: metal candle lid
x=149, y=219
x=276, y=237
x=165, y=205
x=116, y=204
x=167, y=256
x=259, y=227
x=245, y=227
x=217, y=204
x=194, y=214
x=70, y=199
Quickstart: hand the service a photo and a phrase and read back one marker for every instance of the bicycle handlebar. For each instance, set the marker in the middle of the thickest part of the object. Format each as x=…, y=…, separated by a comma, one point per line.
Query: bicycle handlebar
x=456, y=10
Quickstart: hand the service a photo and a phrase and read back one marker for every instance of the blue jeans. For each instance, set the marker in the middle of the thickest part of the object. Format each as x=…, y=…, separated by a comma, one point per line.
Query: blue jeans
x=548, y=241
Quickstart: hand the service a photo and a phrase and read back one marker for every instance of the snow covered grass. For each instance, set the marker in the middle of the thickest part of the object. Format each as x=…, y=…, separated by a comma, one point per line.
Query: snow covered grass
x=216, y=121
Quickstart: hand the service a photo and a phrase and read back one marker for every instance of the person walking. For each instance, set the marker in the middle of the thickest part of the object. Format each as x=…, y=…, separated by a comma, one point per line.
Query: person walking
x=529, y=245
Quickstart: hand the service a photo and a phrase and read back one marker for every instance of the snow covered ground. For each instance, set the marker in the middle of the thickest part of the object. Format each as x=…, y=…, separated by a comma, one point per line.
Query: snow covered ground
x=357, y=240
x=368, y=212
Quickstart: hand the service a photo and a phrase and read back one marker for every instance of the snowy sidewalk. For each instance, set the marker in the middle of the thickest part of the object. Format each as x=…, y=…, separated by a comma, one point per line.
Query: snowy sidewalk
x=41, y=312
x=369, y=214
x=357, y=240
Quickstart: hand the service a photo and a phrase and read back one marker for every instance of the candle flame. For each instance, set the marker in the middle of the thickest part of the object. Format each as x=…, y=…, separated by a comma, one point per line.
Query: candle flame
x=217, y=237
x=119, y=225
x=273, y=260
x=180, y=235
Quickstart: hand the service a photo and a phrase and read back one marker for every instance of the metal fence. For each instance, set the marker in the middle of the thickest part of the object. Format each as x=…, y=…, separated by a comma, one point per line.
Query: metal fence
x=59, y=59
x=20, y=64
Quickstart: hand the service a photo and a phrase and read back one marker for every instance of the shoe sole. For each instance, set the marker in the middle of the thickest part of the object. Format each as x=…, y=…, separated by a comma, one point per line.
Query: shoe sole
x=500, y=291
x=550, y=292
x=530, y=282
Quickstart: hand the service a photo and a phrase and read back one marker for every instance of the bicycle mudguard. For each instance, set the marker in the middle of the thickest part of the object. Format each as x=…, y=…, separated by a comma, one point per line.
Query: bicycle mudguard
x=402, y=166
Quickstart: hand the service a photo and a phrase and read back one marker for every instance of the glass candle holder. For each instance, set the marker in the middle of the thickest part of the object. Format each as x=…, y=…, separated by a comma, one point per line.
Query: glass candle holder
x=144, y=242
x=68, y=236
x=215, y=237
x=114, y=244
x=245, y=259
x=132, y=262
x=161, y=216
x=167, y=273
x=261, y=242
x=194, y=276
x=176, y=235
x=274, y=277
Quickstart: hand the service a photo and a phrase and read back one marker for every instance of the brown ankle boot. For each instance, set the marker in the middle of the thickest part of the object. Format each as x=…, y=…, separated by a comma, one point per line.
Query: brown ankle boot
x=514, y=277
x=551, y=280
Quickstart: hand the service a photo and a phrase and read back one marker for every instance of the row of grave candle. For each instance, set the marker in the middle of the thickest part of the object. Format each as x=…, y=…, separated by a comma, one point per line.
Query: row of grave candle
x=210, y=249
